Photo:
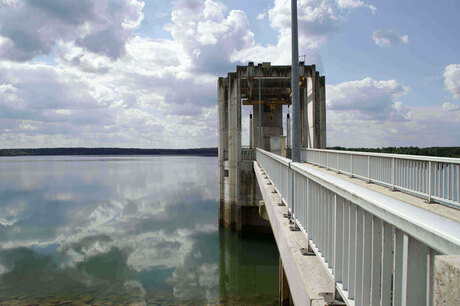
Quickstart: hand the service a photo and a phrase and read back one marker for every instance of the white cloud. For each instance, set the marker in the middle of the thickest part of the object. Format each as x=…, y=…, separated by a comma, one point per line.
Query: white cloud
x=371, y=99
x=208, y=36
x=157, y=93
x=7, y=222
x=31, y=28
x=367, y=113
x=356, y=4
x=318, y=21
x=161, y=92
x=452, y=80
x=387, y=38
x=450, y=106
x=261, y=16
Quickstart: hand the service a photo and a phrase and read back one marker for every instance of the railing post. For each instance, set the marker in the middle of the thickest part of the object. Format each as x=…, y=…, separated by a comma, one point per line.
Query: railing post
x=368, y=168
x=327, y=160
x=430, y=181
x=292, y=196
x=338, y=159
x=393, y=174
x=351, y=165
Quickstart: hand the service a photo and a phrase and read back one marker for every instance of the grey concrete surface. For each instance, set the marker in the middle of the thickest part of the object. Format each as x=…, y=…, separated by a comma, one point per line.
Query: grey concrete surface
x=446, y=280
x=306, y=276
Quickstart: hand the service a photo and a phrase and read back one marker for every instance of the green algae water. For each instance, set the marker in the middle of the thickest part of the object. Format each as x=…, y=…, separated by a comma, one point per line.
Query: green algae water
x=124, y=230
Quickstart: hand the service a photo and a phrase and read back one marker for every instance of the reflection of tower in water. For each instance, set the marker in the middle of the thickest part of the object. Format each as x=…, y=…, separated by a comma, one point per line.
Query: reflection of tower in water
x=246, y=268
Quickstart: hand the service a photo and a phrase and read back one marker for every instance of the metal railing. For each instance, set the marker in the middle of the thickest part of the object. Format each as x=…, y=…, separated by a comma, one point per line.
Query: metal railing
x=247, y=153
x=433, y=178
x=363, y=238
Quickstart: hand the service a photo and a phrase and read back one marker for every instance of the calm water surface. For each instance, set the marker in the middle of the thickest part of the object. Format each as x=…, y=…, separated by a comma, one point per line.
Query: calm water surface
x=124, y=230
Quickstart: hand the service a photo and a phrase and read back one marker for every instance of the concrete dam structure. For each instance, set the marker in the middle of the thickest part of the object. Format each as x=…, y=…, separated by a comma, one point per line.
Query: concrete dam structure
x=352, y=228
x=266, y=88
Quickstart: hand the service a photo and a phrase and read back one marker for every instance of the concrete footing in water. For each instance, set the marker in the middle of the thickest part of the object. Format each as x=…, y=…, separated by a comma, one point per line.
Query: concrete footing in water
x=285, y=298
x=242, y=215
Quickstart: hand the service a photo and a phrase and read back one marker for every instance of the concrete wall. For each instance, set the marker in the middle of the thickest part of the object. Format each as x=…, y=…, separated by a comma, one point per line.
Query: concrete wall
x=272, y=125
x=446, y=280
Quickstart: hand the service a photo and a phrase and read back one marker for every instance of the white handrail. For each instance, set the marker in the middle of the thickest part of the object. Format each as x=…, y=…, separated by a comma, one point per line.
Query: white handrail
x=433, y=178
x=400, y=156
x=364, y=238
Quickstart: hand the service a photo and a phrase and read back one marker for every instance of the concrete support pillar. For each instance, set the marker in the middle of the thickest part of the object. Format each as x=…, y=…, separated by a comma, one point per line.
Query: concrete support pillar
x=251, y=131
x=288, y=131
x=284, y=291
x=322, y=99
x=222, y=146
x=311, y=110
x=303, y=106
x=234, y=156
x=317, y=129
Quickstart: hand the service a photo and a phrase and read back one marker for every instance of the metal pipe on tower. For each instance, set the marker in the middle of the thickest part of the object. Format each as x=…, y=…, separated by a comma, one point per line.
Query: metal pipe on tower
x=295, y=84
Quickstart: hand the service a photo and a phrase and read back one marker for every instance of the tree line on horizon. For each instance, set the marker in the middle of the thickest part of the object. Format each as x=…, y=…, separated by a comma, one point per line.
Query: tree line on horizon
x=429, y=151
x=107, y=151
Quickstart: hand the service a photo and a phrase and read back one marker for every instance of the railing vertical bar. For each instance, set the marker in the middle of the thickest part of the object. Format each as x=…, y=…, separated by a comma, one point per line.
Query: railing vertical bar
x=324, y=206
x=457, y=183
x=398, y=268
x=387, y=264
x=367, y=259
x=429, y=279
x=352, y=252
x=309, y=209
x=376, y=260
x=359, y=257
x=430, y=181
x=345, y=239
x=368, y=168
x=329, y=227
x=405, y=269
x=393, y=173
x=315, y=212
x=338, y=161
x=450, y=181
x=338, y=236
x=417, y=269
x=445, y=194
x=326, y=225
x=351, y=165
x=320, y=220
x=332, y=228
x=439, y=179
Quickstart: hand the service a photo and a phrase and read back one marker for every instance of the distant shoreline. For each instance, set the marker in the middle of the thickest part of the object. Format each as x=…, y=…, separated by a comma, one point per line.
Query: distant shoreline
x=429, y=151
x=107, y=151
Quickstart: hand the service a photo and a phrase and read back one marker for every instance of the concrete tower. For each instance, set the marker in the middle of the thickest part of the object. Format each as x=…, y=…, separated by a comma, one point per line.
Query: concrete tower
x=238, y=190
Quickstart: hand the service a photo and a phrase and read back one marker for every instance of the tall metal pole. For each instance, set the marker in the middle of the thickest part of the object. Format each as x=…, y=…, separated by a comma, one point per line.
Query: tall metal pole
x=295, y=85
x=260, y=114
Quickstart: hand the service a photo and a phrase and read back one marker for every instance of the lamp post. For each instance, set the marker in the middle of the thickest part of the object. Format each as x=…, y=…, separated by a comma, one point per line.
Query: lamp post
x=295, y=84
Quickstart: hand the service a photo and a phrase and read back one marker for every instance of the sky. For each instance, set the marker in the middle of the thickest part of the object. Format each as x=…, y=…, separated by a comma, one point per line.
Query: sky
x=130, y=73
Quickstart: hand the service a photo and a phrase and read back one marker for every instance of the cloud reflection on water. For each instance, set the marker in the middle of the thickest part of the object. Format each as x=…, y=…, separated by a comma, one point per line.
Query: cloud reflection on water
x=98, y=224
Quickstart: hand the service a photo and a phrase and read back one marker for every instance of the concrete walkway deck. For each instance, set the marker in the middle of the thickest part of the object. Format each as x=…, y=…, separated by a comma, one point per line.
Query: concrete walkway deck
x=308, y=281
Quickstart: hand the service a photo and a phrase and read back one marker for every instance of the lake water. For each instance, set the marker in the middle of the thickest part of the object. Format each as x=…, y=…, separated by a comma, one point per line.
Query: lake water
x=124, y=229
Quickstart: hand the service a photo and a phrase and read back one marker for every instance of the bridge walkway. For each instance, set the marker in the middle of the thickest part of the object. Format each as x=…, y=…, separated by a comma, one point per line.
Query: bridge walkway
x=358, y=241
